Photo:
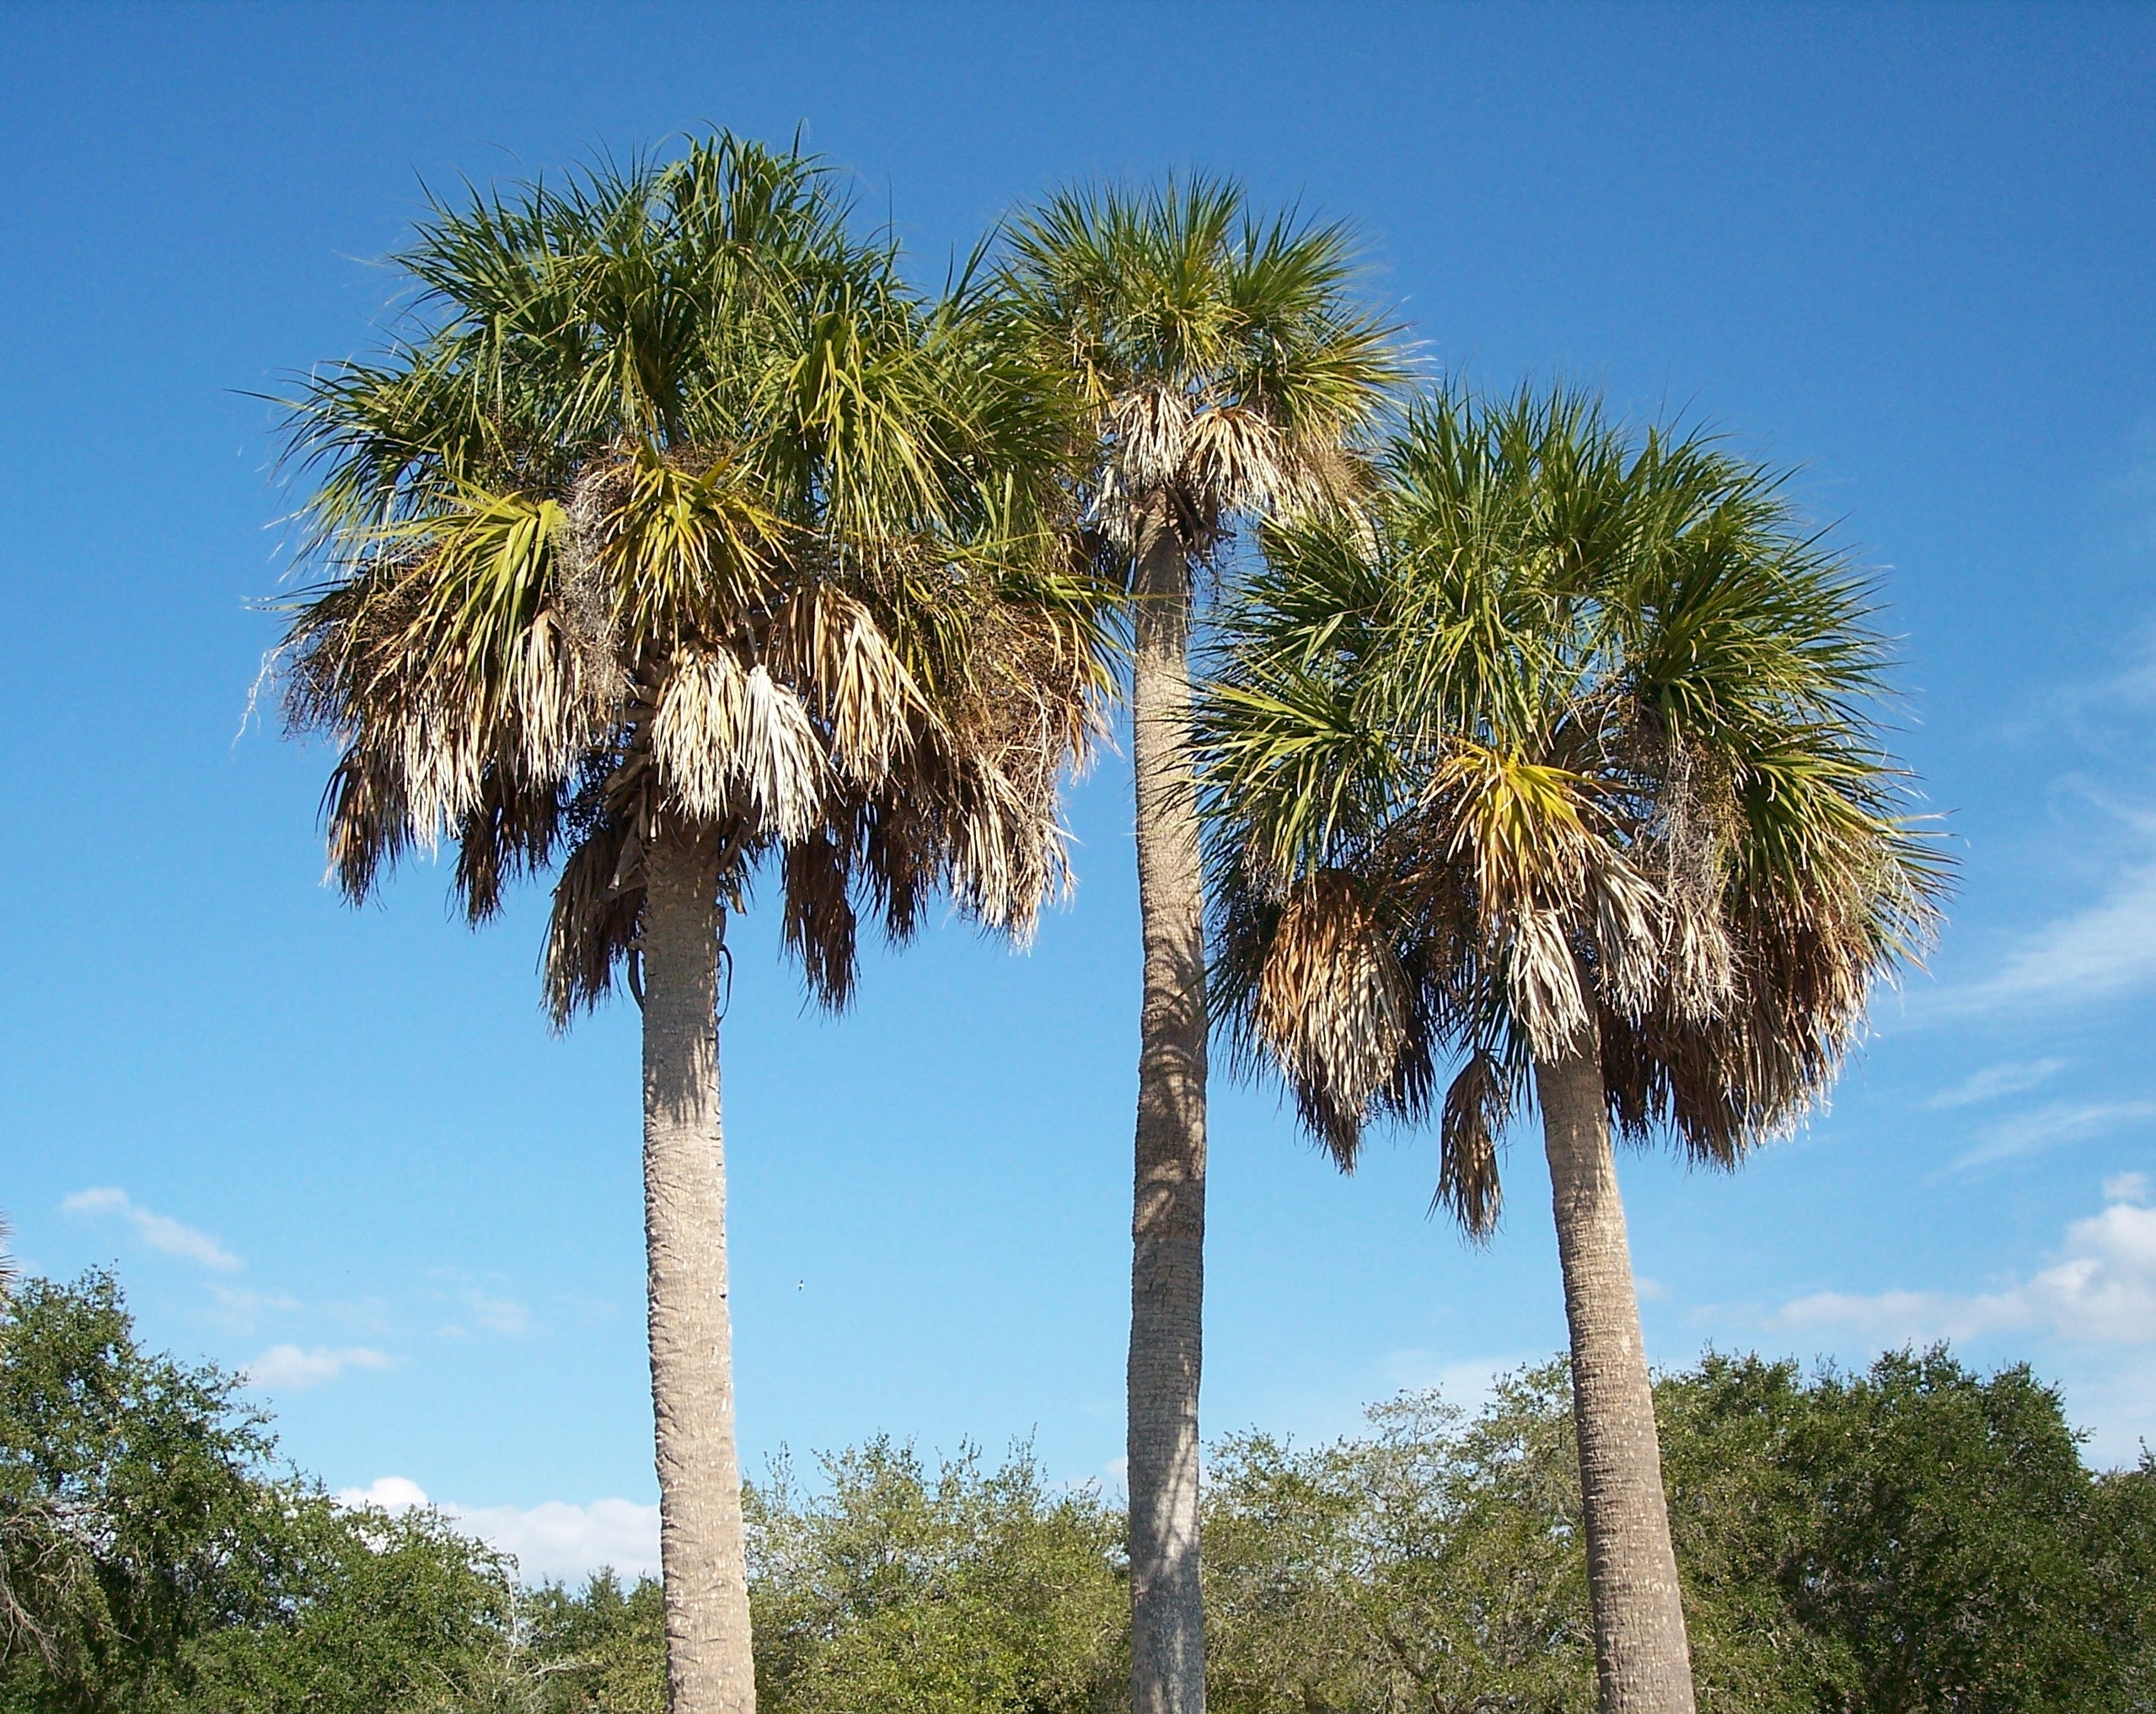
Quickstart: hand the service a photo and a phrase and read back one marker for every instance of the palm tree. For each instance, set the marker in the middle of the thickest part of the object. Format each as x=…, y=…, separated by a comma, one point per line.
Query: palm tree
x=1227, y=371
x=1556, y=759
x=677, y=535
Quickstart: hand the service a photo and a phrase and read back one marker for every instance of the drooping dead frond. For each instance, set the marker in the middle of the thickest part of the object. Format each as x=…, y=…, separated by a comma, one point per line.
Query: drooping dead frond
x=1478, y=1106
x=1204, y=462
x=830, y=645
x=1690, y=839
x=818, y=927
x=1332, y=1003
x=593, y=926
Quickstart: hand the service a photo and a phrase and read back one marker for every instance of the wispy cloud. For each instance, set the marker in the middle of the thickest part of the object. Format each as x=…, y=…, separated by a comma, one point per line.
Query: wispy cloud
x=289, y=1368
x=2101, y=1291
x=2105, y=951
x=498, y=1314
x=241, y=1310
x=2048, y=1127
x=488, y=1310
x=554, y=1540
x=159, y=1231
x=1996, y=1081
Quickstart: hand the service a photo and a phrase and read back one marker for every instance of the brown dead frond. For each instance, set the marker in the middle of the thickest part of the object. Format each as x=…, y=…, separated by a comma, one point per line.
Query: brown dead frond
x=1332, y=1003
x=1478, y=1106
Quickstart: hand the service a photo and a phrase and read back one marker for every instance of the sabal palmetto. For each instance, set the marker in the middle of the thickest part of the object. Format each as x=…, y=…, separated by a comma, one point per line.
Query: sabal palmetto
x=679, y=536
x=1554, y=760
x=1227, y=369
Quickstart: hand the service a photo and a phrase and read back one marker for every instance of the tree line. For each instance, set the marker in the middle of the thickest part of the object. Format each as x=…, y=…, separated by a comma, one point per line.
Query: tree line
x=1915, y=1537
x=1491, y=755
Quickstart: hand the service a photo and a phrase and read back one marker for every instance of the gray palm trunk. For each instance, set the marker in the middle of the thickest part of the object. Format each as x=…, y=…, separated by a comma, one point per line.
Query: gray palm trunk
x=1642, y=1659
x=710, y=1667
x=1167, y=1227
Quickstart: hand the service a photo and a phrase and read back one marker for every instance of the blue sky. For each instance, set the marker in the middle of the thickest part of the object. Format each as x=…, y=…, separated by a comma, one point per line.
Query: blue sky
x=1906, y=251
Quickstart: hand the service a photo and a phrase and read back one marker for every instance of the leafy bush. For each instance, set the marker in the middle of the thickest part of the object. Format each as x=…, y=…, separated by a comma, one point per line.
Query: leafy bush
x=965, y=1589
x=1914, y=1538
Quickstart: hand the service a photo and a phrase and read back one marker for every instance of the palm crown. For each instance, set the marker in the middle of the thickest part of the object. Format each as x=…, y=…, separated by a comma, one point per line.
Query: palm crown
x=1565, y=730
x=675, y=506
x=1225, y=360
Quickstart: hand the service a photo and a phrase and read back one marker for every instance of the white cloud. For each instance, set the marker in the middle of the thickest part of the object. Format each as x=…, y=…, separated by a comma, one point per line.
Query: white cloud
x=1997, y=1081
x=288, y=1367
x=1900, y=1317
x=2102, y=1290
x=556, y=1539
x=2049, y=1127
x=491, y=1311
x=551, y=1541
x=243, y=1310
x=390, y=1493
x=159, y=1231
x=504, y=1315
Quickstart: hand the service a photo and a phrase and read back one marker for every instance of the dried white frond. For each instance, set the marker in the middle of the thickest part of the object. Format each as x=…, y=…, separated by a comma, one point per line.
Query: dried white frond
x=441, y=763
x=780, y=759
x=1151, y=430
x=831, y=643
x=1233, y=461
x=696, y=735
x=563, y=691
x=1542, y=980
x=732, y=744
x=1629, y=938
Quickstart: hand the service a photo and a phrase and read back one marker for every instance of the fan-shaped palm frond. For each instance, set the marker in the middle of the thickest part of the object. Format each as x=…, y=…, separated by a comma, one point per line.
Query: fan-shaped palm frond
x=676, y=483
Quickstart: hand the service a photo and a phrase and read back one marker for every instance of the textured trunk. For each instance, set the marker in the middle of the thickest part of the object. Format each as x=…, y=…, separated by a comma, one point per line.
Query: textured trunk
x=709, y=1669
x=1641, y=1658
x=1168, y=1227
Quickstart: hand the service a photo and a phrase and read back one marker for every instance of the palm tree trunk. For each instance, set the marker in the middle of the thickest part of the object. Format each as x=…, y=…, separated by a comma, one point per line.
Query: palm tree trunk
x=1641, y=1657
x=1168, y=1227
x=710, y=1667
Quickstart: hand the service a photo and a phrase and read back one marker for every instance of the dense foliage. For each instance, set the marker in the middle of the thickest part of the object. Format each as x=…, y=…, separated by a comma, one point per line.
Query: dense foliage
x=152, y=1557
x=1917, y=1537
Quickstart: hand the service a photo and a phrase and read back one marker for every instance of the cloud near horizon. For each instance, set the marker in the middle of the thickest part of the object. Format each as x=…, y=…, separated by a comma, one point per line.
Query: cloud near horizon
x=160, y=1232
x=553, y=1541
x=2102, y=1291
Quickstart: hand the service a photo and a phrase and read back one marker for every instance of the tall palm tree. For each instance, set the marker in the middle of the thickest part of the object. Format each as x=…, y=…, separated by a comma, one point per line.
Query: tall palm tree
x=674, y=536
x=1227, y=369
x=1556, y=759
